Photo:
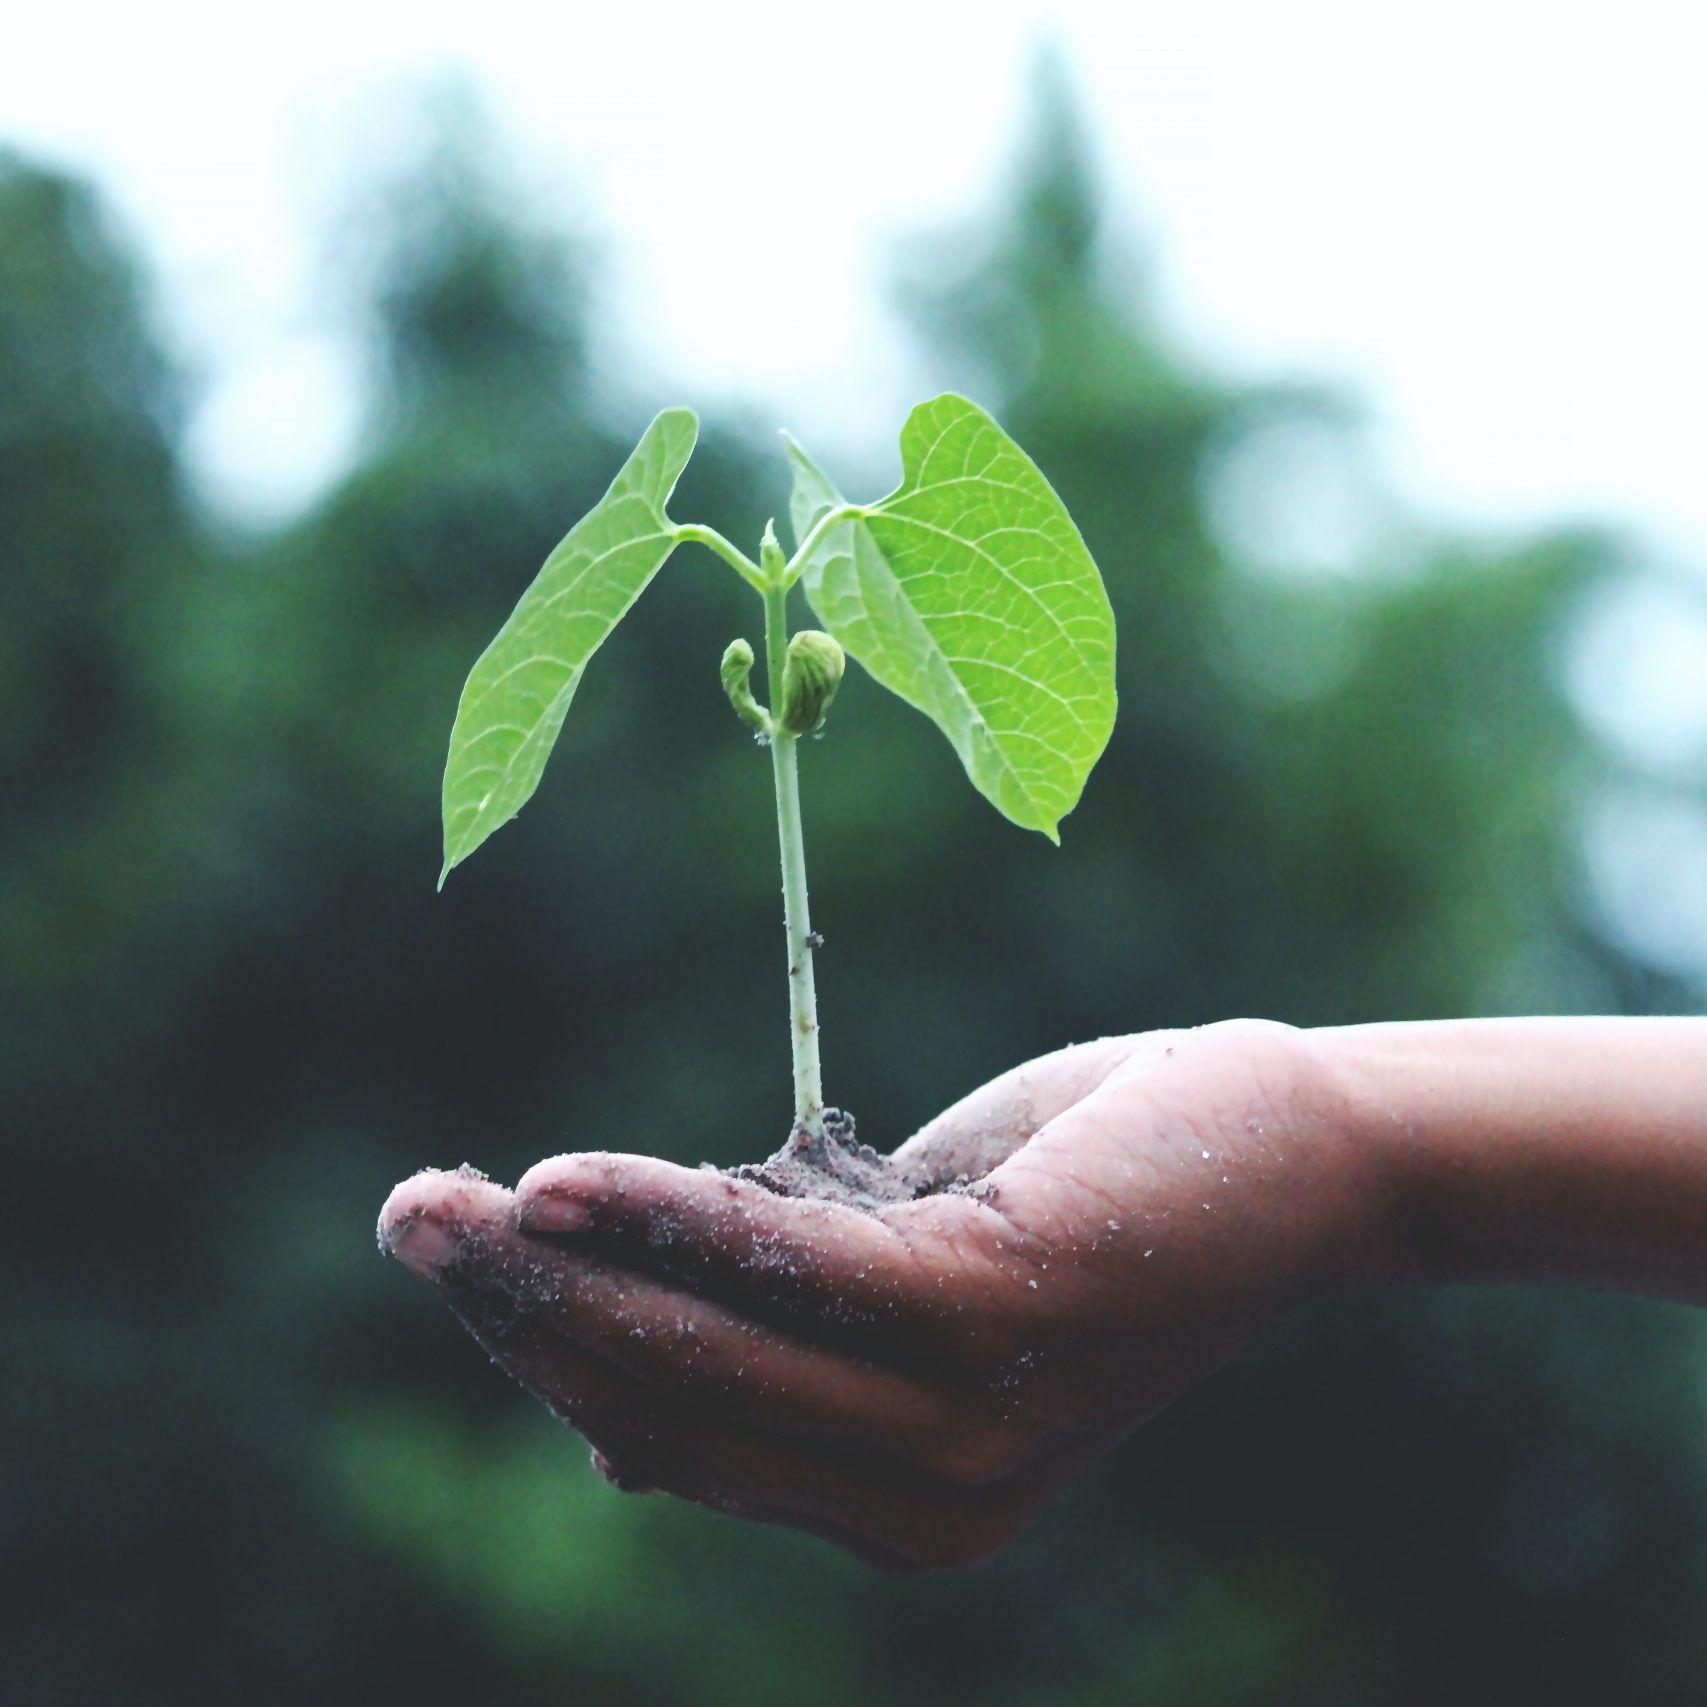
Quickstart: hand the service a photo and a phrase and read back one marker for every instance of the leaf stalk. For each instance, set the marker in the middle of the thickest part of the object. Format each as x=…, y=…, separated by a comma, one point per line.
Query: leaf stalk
x=830, y=519
x=693, y=533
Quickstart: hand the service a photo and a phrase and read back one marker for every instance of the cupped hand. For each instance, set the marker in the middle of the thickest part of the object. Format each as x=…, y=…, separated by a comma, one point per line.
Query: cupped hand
x=915, y=1384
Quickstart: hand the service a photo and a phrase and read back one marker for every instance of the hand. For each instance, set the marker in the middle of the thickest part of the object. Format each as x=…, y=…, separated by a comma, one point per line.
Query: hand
x=916, y=1384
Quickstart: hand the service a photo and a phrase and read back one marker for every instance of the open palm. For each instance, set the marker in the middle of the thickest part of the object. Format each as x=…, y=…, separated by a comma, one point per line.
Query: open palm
x=914, y=1384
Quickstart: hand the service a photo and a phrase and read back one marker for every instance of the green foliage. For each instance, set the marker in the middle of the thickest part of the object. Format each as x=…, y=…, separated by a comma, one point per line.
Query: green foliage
x=516, y=698
x=969, y=592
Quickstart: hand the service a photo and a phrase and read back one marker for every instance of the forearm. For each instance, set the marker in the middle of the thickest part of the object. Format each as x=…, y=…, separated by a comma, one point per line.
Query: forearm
x=1542, y=1151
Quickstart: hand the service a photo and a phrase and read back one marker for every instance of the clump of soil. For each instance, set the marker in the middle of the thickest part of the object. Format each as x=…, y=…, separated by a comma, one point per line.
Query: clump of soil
x=837, y=1168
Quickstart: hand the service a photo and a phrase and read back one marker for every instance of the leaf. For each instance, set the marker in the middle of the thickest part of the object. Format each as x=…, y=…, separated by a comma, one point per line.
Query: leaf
x=969, y=593
x=519, y=691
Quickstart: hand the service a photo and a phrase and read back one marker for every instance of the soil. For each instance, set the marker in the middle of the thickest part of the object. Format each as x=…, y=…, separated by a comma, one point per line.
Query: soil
x=837, y=1168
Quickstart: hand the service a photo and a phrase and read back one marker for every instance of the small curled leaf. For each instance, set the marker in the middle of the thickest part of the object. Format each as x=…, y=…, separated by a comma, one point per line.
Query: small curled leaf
x=736, y=668
x=811, y=673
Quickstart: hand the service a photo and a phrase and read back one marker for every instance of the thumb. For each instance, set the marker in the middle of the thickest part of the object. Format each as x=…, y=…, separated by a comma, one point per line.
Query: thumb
x=982, y=1130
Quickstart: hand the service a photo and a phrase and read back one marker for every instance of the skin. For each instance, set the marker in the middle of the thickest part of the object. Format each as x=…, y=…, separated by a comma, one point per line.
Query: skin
x=916, y=1385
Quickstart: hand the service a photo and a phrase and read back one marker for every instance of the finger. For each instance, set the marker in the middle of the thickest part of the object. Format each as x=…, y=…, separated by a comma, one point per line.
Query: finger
x=454, y=1227
x=427, y=1215
x=898, y=1280
x=886, y=1514
x=442, y=1224
x=757, y=1374
x=983, y=1129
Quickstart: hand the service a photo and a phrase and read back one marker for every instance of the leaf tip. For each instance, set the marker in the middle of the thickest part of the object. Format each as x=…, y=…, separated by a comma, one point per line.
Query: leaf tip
x=677, y=418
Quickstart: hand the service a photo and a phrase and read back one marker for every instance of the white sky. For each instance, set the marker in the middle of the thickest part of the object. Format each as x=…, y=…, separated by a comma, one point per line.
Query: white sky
x=1487, y=218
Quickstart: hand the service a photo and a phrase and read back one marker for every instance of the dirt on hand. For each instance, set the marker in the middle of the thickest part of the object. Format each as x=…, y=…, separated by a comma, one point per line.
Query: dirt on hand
x=837, y=1168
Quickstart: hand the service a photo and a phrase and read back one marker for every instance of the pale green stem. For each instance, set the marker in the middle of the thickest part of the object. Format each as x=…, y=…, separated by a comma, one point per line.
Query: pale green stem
x=829, y=519
x=803, y=996
x=693, y=533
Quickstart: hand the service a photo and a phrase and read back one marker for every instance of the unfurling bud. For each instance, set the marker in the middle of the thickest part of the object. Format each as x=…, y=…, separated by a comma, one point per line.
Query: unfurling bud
x=737, y=667
x=771, y=559
x=811, y=673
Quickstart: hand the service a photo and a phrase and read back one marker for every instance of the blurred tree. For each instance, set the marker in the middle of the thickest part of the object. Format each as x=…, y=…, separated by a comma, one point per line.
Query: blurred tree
x=250, y=1460
x=92, y=519
x=171, y=725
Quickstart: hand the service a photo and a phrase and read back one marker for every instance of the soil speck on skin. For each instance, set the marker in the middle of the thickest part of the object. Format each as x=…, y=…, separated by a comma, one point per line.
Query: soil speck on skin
x=837, y=1168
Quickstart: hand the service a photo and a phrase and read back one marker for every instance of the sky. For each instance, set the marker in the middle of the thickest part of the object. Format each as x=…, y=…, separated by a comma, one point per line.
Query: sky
x=1482, y=218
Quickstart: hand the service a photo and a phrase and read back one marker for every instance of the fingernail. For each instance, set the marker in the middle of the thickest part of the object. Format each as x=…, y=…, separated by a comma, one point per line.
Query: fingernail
x=420, y=1244
x=548, y=1212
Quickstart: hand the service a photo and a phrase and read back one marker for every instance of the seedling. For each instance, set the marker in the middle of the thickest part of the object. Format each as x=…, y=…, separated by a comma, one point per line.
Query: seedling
x=967, y=591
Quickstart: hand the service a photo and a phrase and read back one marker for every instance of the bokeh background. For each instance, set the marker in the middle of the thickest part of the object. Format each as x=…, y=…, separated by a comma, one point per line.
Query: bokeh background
x=1406, y=768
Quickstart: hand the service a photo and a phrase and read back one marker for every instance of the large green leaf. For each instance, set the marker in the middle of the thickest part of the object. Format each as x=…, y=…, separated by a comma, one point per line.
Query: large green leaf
x=518, y=693
x=968, y=592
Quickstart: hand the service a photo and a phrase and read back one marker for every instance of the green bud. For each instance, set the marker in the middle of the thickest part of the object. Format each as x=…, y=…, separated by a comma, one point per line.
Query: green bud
x=771, y=559
x=737, y=667
x=811, y=673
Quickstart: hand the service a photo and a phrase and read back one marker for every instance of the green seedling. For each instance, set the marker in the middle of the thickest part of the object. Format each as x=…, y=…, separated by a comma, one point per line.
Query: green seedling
x=967, y=591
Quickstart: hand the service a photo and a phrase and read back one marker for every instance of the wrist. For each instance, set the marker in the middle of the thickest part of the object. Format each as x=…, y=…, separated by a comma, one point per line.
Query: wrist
x=1368, y=1178
x=1385, y=1107
x=1567, y=1151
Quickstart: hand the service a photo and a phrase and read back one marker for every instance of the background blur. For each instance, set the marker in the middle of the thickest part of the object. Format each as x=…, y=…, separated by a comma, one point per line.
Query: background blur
x=1369, y=764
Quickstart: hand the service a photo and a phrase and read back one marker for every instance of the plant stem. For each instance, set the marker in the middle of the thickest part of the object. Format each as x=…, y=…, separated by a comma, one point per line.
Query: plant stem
x=829, y=519
x=803, y=996
x=693, y=533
